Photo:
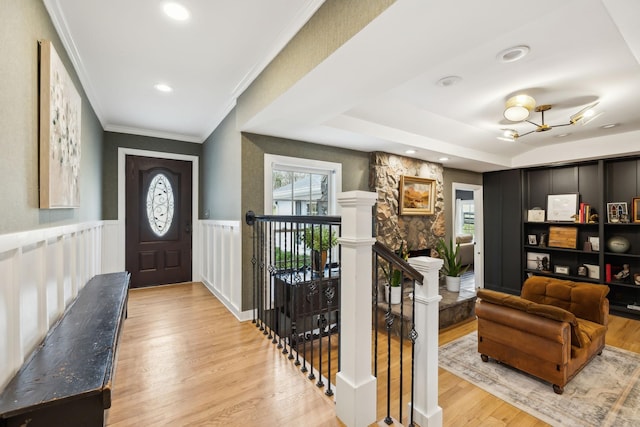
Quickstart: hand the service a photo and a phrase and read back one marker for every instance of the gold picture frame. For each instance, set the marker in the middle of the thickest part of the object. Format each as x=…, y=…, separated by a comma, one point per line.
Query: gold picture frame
x=60, y=138
x=635, y=209
x=417, y=195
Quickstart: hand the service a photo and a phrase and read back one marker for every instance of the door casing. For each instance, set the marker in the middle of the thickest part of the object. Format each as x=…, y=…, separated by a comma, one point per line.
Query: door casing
x=196, y=251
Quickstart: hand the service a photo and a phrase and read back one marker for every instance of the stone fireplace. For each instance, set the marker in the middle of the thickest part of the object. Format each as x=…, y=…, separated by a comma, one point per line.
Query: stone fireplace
x=418, y=231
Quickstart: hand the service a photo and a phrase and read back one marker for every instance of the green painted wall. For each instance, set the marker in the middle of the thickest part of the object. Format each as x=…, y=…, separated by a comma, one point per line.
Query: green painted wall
x=22, y=24
x=221, y=172
x=114, y=140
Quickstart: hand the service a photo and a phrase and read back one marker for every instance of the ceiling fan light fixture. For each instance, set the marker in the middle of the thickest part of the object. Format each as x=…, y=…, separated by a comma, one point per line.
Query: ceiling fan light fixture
x=519, y=107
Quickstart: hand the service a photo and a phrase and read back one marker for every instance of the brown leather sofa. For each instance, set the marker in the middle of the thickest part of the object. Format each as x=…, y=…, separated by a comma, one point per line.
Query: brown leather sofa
x=552, y=330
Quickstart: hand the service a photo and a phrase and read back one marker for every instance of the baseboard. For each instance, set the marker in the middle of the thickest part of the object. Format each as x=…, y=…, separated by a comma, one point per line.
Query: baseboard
x=242, y=316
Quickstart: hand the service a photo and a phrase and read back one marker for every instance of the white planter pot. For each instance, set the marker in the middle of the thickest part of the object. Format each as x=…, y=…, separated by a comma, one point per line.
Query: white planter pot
x=453, y=283
x=393, y=292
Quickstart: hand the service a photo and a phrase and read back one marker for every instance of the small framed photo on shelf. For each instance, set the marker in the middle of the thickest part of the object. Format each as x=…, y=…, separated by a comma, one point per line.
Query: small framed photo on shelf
x=617, y=212
x=535, y=215
x=582, y=270
x=562, y=207
x=595, y=243
x=538, y=261
x=561, y=269
x=635, y=209
x=532, y=239
x=593, y=271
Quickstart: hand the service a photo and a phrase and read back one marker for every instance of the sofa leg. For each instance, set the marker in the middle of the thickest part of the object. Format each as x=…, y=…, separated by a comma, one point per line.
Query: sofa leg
x=484, y=357
x=557, y=389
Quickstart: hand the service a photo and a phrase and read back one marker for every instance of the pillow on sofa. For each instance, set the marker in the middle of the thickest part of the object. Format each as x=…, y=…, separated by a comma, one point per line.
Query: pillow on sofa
x=543, y=310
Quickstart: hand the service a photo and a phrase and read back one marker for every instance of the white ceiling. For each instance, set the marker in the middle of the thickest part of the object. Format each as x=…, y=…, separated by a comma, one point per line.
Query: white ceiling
x=378, y=91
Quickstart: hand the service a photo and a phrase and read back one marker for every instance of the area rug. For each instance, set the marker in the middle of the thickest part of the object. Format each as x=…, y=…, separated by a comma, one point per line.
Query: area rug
x=605, y=393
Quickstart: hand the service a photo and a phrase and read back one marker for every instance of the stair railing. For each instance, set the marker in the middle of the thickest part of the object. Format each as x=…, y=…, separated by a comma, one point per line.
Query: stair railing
x=394, y=329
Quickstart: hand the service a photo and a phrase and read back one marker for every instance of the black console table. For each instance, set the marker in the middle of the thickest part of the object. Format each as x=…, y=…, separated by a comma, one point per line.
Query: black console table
x=304, y=303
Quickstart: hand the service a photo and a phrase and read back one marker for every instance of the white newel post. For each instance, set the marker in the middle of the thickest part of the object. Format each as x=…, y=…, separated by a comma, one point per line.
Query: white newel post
x=427, y=411
x=355, y=386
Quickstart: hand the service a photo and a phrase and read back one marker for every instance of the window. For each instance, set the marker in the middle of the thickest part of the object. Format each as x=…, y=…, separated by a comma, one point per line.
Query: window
x=296, y=186
x=465, y=212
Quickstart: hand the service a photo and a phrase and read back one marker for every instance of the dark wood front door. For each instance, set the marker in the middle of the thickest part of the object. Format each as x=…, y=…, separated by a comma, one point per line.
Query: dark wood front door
x=158, y=220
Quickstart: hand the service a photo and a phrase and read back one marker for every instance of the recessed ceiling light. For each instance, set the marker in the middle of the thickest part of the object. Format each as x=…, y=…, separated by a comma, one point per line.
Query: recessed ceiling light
x=443, y=159
x=609, y=126
x=410, y=152
x=163, y=87
x=176, y=11
x=449, y=81
x=562, y=135
x=513, y=54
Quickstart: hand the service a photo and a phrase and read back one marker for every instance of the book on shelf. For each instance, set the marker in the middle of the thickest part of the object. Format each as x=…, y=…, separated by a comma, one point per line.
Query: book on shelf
x=607, y=272
x=633, y=307
x=584, y=213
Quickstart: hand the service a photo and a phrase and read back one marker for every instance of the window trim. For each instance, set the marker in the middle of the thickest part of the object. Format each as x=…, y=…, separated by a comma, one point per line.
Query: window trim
x=296, y=164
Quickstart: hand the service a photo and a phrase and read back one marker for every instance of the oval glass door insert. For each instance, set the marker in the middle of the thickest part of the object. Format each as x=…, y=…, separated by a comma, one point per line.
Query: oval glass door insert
x=160, y=203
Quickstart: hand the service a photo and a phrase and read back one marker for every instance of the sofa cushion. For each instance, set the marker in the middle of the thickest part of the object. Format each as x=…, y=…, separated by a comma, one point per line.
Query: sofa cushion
x=547, y=311
x=585, y=300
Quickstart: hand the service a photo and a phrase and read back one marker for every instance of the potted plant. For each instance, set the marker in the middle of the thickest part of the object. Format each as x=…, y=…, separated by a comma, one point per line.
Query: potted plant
x=319, y=238
x=393, y=290
x=452, y=267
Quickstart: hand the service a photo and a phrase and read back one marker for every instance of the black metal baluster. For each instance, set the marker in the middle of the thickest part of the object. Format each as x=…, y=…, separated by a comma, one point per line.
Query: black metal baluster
x=252, y=223
x=261, y=272
x=282, y=311
x=322, y=321
x=310, y=288
x=332, y=296
x=272, y=296
x=389, y=322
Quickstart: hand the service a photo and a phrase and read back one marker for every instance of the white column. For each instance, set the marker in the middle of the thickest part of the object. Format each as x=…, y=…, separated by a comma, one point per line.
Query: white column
x=355, y=386
x=427, y=412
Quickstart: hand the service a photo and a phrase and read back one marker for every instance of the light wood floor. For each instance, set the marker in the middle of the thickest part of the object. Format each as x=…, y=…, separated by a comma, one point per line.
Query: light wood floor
x=183, y=359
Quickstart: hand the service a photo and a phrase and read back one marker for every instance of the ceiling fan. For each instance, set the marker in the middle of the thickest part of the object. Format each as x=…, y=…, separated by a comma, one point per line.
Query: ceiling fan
x=519, y=107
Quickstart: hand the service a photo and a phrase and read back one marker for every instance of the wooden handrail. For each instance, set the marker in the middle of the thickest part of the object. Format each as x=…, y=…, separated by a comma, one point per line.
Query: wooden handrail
x=397, y=262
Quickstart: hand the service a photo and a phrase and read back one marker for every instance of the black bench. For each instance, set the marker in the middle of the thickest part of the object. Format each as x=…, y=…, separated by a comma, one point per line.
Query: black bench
x=67, y=380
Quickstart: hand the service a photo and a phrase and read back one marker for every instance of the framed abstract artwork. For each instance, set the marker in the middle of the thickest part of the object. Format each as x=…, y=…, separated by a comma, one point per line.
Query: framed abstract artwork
x=60, y=126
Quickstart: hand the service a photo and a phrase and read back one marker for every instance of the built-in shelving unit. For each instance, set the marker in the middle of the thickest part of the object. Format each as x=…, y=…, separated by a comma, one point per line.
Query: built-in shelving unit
x=596, y=183
x=510, y=257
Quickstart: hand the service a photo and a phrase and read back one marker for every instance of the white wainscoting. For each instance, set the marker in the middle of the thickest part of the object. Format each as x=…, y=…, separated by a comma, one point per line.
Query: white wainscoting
x=41, y=272
x=221, y=263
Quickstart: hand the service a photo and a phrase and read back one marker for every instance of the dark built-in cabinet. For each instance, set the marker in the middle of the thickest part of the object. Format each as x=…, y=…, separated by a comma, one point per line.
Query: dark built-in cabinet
x=513, y=249
x=502, y=230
